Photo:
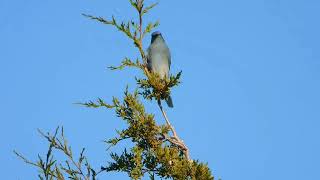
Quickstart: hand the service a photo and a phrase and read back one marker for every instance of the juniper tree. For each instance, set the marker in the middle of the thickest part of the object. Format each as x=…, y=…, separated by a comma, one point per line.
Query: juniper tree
x=156, y=151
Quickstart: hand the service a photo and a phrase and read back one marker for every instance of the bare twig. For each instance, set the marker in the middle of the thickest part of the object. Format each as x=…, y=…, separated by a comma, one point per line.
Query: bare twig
x=139, y=44
x=175, y=138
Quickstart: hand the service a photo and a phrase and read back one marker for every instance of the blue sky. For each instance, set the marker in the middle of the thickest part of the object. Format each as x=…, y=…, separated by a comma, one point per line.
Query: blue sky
x=248, y=104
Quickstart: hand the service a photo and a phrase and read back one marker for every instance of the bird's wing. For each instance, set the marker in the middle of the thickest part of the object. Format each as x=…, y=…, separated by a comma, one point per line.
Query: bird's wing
x=148, y=56
x=169, y=58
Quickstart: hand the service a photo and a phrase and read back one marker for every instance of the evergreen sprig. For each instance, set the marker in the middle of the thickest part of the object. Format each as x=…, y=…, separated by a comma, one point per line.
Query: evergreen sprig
x=127, y=63
x=138, y=33
x=155, y=88
x=70, y=168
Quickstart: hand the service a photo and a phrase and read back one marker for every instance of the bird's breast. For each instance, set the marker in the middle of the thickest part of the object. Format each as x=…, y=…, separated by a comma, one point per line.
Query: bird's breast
x=160, y=64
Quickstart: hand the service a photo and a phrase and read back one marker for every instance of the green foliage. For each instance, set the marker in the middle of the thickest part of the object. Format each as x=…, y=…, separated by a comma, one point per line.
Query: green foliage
x=156, y=151
x=155, y=88
x=152, y=153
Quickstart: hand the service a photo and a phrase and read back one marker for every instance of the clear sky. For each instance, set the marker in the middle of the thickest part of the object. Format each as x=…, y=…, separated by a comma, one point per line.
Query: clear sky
x=248, y=104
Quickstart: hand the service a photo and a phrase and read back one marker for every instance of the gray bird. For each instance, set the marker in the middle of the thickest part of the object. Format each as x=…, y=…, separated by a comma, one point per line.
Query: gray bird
x=159, y=59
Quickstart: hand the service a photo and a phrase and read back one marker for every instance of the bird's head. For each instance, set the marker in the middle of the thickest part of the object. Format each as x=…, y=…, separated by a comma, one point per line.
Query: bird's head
x=155, y=35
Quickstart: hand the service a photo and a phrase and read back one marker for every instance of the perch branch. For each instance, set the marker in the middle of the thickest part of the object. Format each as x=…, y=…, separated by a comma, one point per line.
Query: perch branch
x=175, y=138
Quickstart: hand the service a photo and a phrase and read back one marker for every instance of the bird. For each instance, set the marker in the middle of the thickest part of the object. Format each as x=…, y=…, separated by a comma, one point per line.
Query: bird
x=159, y=59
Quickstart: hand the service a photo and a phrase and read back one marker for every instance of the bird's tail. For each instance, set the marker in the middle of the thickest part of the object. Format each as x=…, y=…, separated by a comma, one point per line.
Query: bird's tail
x=169, y=101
